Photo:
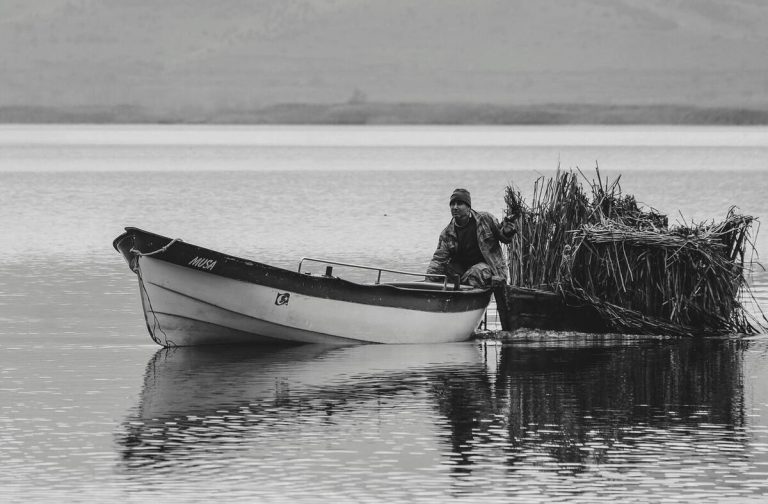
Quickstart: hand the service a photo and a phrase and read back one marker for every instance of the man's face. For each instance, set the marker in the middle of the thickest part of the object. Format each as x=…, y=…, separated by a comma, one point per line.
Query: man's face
x=459, y=210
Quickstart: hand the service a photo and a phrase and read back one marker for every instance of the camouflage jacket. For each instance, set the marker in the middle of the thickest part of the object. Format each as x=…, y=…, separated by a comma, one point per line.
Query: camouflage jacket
x=489, y=235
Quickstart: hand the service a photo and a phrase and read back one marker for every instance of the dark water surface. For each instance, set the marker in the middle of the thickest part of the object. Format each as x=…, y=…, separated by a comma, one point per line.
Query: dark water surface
x=556, y=417
x=91, y=410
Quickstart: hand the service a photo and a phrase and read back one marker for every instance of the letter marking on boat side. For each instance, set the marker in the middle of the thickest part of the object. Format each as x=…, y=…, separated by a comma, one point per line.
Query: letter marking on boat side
x=202, y=263
x=282, y=298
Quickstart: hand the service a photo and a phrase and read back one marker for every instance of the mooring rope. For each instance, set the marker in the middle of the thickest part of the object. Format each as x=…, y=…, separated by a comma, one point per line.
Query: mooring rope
x=156, y=323
x=158, y=251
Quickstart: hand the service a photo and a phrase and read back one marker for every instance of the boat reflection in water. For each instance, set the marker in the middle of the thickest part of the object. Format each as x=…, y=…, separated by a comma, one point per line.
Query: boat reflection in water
x=560, y=416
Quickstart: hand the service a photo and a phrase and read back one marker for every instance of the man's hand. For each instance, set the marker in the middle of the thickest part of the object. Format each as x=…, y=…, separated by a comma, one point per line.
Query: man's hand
x=507, y=227
x=496, y=281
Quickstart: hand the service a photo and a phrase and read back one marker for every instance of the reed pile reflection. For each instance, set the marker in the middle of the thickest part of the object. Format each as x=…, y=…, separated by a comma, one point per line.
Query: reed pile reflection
x=577, y=406
x=556, y=416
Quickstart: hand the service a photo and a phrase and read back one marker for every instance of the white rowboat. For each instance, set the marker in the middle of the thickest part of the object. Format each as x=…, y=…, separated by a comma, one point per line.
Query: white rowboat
x=195, y=296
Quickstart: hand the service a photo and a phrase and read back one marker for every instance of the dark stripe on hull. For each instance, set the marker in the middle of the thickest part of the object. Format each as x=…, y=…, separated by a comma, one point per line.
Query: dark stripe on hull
x=206, y=261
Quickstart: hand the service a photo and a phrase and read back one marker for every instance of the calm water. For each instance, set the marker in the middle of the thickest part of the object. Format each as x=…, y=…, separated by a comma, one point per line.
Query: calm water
x=91, y=410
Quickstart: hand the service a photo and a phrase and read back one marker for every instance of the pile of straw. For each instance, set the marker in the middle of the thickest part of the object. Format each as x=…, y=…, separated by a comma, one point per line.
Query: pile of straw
x=641, y=275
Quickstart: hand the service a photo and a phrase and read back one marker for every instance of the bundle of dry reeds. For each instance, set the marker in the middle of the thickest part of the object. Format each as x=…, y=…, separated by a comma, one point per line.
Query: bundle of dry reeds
x=685, y=276
x=639, y=274
x=559, y=206
x=608, y=203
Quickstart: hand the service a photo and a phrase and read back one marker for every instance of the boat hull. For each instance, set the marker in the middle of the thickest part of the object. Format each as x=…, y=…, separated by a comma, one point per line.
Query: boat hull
x=524, y=308
x=196, y=296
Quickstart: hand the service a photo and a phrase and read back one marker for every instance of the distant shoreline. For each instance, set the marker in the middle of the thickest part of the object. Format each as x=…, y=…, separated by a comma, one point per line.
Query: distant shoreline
x=369, y=113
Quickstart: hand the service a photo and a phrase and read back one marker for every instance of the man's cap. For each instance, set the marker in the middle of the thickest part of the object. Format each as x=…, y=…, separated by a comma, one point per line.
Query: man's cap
x=461, y=195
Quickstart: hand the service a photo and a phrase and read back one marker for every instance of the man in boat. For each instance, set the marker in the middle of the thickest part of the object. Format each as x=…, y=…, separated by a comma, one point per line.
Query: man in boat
x=469, y=246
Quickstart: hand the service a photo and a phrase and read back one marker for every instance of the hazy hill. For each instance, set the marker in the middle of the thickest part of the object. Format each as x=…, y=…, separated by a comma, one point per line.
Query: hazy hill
x=201, y=60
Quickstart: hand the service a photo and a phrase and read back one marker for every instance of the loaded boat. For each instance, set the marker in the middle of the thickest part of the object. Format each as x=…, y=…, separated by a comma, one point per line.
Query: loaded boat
x=195, y=296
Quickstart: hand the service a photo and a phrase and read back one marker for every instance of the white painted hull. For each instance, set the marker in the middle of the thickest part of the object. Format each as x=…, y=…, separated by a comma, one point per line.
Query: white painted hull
x=185, y=306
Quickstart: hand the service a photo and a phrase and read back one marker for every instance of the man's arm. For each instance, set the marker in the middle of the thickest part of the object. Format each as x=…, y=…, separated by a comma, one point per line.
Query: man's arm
x=504, y=231
x=440, y=259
